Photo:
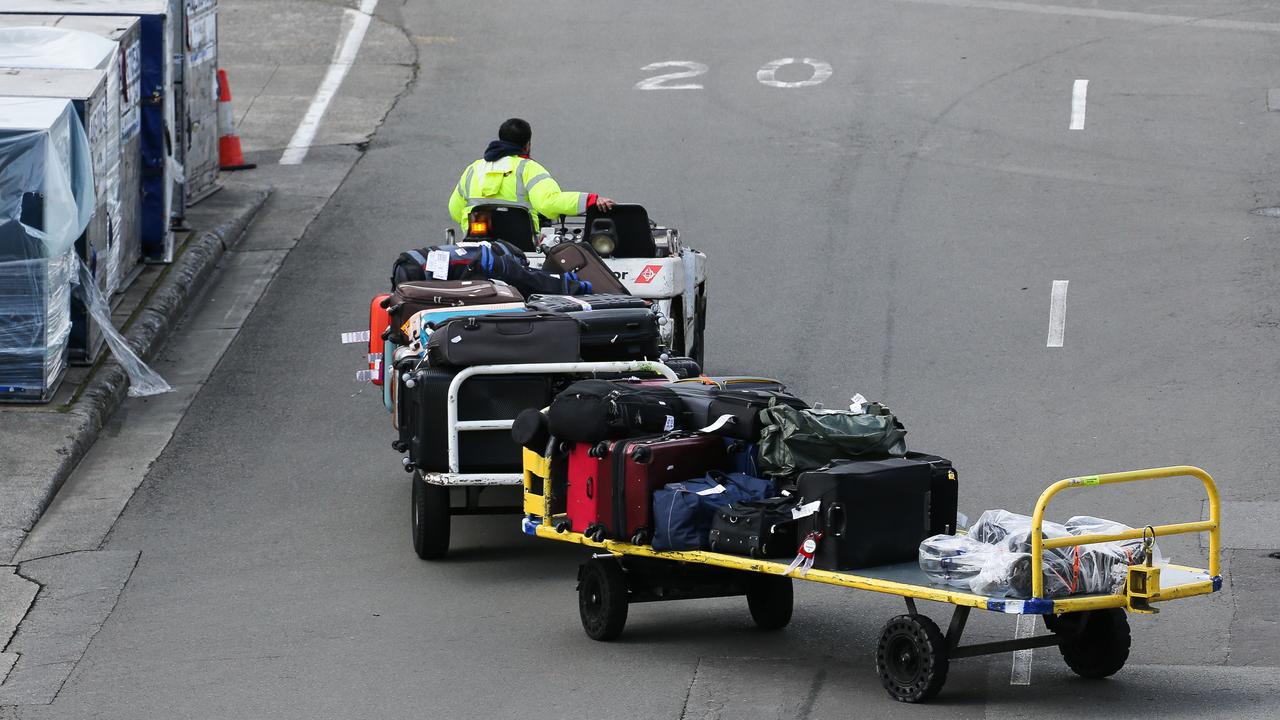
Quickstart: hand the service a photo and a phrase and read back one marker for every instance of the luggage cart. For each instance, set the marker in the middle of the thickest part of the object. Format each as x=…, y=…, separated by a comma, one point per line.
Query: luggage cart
x=431, y=498
x=913, y=655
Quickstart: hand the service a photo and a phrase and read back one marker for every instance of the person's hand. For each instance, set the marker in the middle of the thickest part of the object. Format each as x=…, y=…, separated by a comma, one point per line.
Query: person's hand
x=605, y=204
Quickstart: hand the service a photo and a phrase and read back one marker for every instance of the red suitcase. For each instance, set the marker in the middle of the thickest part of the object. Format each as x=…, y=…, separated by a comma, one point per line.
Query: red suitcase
x=611, y=484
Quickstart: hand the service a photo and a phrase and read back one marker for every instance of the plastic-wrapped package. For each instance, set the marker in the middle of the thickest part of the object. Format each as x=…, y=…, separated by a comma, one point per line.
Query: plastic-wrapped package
x=994, y=558
x=46, y=200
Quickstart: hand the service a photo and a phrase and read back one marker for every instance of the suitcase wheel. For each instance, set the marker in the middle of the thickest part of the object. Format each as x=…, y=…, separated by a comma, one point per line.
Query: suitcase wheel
x=641, y=537
x=599, y=450
x=564, y=526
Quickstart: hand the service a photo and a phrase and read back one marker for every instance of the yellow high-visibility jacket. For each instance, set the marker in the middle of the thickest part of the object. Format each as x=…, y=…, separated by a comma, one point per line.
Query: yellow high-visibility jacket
x=517, y=181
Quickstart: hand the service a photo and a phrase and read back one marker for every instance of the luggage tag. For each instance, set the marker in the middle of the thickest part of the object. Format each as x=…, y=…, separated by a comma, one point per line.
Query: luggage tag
x=720, y=422
x=350, y=338
x=804, y=556
x=438, y=264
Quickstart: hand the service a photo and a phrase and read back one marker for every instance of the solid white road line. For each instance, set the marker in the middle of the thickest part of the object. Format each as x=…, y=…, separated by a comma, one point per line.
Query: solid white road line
x=1079, y=92
x=342, y=61
x=1138, y=17
x=1057, y=313
x=1021, y=673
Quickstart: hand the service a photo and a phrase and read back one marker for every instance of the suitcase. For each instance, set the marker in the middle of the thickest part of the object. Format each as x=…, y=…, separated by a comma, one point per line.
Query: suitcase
x=411, y=297
x=578, y=303
x=379, y=320
x=589, y=411
x=698, y=393
x=944, y=493
x=505, y=338
x=581, y=258
x=872, y=512
x=744, y=406
x=756, y=528
x=434, y=317
x=618, y=334
x=424, y=412
x=611, y=484
x=742, y=456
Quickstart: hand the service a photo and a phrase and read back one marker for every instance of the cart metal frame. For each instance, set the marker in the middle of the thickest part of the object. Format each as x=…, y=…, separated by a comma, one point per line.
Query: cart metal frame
x=1170, y=582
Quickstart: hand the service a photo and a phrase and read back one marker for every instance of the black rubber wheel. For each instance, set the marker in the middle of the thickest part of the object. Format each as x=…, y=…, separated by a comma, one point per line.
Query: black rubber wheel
x=769, y=597
x=430, y=519
x=1095, y=644
x=602, y=598
x=911, y=658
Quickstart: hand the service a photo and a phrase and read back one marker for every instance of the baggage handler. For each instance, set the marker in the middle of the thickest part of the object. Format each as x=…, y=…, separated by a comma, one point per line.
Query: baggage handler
x=507, y=174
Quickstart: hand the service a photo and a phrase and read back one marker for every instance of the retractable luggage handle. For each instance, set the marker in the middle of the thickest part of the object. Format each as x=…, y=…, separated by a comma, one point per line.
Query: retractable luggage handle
x=1213, y=525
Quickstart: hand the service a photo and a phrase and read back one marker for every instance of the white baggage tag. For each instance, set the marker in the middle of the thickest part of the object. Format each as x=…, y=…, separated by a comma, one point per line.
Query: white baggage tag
x=349, y=338
x=364, y=376
x=711, y=491
x=374, y=357
x=719, y=423
x=805, y=510
x=670, y=424
x=438, y=264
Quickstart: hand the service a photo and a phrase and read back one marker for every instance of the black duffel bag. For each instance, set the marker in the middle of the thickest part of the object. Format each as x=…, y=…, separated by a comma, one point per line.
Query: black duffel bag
x=593, y=410
x=756, y=528
x=505, y=338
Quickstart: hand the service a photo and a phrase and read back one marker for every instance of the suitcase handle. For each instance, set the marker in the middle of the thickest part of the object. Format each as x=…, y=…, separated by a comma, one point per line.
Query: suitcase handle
x=835, y=510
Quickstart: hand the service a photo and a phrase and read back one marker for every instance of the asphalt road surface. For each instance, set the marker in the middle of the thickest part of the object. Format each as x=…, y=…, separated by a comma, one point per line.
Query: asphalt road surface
x=886, y=214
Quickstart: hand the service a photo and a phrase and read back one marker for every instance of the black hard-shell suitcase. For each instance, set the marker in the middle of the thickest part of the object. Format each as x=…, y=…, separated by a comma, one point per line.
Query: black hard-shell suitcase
x=424, y=413
x=619, y=334
x=504, y=338
x=578, y=303
x=581, y=258
x=872, y=512
x=944, y=493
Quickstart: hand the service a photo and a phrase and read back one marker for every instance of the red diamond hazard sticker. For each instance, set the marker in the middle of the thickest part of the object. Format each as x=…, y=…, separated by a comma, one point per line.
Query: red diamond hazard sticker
x=647, y=275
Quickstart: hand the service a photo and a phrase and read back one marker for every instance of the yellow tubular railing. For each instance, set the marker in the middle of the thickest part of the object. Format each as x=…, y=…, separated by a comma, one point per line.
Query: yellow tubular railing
x=1211, y=526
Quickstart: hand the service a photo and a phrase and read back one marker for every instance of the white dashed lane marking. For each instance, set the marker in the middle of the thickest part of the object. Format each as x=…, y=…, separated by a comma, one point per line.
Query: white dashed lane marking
x=1057, y=313
x=1079, y=93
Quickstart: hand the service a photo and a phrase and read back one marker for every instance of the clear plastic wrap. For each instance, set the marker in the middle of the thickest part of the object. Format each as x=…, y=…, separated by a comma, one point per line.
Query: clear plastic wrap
x=46, y=177
x=52, y=47
x=994, y=558
x=35, y=323
x=143, y=381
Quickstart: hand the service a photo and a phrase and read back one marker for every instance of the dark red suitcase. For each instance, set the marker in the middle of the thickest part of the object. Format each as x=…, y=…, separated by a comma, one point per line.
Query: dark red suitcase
x=611, y=484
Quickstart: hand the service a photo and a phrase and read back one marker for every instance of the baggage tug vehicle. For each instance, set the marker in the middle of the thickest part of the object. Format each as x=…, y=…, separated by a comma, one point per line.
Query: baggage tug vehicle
x=647, y=260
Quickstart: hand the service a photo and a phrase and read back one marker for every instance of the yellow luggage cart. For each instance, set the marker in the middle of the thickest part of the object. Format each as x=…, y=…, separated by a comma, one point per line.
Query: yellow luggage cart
x=913, y=654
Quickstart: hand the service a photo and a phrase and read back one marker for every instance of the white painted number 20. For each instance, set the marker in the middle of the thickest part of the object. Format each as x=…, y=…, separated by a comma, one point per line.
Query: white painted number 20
x=767, y=75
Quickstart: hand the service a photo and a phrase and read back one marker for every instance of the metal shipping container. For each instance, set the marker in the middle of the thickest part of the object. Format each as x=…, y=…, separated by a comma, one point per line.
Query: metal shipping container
x=87, y=89
x=53, y=41
x=161, y=112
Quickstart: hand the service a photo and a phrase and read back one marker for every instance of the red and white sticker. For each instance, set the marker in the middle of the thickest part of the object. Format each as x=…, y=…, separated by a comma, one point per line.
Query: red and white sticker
x=647, y=275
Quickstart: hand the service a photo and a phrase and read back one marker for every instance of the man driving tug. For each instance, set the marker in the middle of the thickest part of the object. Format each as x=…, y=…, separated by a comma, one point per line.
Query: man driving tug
x=508, y=175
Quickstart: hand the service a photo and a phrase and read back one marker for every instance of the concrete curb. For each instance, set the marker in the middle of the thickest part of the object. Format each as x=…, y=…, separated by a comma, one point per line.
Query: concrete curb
x=151, y=328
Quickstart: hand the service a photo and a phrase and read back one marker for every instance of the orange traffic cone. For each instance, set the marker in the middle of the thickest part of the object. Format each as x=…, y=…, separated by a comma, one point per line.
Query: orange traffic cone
x=230, y=156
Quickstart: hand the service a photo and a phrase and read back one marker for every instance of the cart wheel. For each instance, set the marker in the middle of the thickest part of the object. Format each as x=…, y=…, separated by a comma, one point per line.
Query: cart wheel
x=769, y=598
x=911, y=658
x=602, y=598
x=1095, y=643
x=430, y=519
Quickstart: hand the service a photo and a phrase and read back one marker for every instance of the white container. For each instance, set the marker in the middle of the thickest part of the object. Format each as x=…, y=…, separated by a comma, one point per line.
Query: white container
x=87, y=89
x=64, y=48
x=163, y=140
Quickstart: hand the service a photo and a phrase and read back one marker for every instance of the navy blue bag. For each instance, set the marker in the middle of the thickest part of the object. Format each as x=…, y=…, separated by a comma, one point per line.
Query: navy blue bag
x=682, y=512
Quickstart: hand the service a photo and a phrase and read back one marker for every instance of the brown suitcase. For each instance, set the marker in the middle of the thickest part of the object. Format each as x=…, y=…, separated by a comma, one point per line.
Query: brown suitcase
x=582, y=258
x=410, y=297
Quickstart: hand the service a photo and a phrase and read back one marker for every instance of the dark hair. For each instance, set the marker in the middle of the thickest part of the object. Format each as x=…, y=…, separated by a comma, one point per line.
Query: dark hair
x=515, y=131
